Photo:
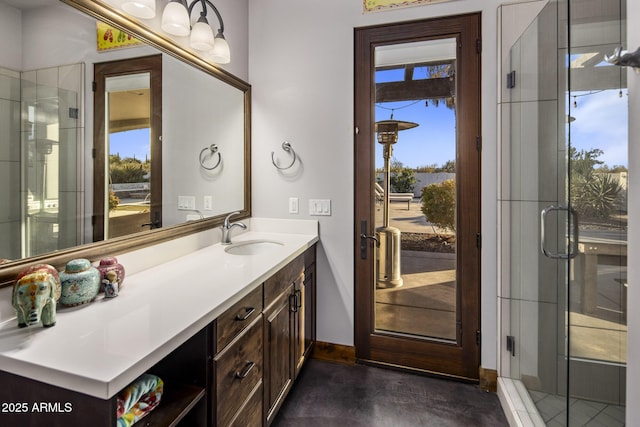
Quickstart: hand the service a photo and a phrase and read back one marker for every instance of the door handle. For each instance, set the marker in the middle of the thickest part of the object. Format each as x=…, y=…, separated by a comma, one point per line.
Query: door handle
x=374, y=238
x=363, y=239
x=573, y=236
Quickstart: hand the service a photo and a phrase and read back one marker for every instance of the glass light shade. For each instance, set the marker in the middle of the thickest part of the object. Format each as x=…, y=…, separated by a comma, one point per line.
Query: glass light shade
x=221, y=53
x=145, y=9
x=175, y=19
x=115, y=3
x=201, y=36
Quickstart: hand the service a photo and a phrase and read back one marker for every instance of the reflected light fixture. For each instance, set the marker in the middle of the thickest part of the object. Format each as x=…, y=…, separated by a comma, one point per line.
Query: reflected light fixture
x=176, y=20
x=145, y=9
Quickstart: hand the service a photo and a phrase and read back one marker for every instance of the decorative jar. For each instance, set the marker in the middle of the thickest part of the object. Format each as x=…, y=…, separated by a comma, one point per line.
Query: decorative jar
x=80, y=282
x=108, y=264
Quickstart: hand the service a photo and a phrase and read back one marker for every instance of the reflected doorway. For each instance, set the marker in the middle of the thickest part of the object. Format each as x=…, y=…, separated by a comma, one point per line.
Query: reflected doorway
x=417, y=177
x=128, y=165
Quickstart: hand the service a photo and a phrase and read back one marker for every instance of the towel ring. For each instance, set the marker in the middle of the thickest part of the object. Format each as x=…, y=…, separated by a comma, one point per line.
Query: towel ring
x=214, y=150
x=286, y=146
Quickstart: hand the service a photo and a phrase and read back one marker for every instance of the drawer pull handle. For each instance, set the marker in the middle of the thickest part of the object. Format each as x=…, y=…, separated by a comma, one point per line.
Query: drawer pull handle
x=245, y=371
x=248, y=312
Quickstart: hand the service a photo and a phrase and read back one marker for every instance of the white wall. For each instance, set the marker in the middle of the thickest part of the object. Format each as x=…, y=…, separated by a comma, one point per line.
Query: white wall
x=633, y=249
x=301, y=70
x=11, y=47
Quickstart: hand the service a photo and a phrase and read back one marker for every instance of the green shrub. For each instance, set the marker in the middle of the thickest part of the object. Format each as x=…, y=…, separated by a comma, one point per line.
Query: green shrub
x=403, y=180
x=114, y=201
x=439, y=204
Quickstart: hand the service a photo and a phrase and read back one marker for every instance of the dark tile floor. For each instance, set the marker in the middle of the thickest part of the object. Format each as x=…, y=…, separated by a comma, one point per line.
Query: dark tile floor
x=328, y=394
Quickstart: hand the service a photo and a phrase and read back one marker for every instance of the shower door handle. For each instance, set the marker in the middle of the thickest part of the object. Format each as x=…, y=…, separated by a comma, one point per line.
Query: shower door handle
x=573, y=236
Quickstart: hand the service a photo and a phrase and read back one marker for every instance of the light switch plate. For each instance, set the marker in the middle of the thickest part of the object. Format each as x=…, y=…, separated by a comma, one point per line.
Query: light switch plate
x=187, y=203
x=293, y=205
x=320, y=207
x=207, y=203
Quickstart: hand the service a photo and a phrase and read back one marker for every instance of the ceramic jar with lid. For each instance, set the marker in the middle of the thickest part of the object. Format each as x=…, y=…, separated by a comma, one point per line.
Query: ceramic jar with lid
x=108, y=264
x=80, y=282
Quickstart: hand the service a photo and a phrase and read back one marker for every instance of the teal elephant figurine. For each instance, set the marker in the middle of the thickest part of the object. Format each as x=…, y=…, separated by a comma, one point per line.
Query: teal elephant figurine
x=35, y=295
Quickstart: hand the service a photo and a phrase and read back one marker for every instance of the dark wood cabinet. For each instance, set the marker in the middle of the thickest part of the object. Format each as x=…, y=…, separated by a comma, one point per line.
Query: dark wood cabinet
x=277, y=352
x=289, y=328
x=184, y=373
x=236, y=371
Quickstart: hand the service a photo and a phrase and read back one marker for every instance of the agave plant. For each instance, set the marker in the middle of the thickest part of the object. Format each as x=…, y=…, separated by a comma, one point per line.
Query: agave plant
x=595, y=195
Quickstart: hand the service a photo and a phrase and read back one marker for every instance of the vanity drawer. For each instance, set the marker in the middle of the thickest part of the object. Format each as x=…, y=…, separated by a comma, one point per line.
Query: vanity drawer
x=250, y=415
x=280, y=281
x=238, y=370
x=238, y=317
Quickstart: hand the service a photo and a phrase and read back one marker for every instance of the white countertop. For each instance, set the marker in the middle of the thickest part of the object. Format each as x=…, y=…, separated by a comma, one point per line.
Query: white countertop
x=99, y=348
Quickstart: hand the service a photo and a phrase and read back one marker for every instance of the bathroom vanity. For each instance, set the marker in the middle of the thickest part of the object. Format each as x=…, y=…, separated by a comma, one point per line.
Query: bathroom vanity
x=226, y=331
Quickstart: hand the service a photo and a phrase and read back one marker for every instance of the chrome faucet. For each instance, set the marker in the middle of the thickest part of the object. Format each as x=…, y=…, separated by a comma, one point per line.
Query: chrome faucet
x=227, y=226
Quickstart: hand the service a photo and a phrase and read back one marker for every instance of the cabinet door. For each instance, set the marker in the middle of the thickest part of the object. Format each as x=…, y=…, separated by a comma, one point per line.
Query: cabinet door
x=300, y=329
x=309, y=308
x=278, y=362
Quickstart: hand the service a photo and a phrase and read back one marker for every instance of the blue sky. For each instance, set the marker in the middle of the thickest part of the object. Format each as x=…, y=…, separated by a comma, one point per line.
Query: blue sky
x=601, y=122
x=131, y=143
x=433, y=141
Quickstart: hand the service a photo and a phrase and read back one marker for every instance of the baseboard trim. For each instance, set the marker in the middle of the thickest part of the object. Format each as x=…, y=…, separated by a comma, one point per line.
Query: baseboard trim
x=488, y=379
x=337, y=353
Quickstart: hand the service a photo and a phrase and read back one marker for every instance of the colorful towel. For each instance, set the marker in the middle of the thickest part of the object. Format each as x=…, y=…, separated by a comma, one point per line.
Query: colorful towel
x=138, y=399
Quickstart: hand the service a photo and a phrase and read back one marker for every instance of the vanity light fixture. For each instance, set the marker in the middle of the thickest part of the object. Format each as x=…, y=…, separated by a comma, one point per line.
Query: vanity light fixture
x=176, y=19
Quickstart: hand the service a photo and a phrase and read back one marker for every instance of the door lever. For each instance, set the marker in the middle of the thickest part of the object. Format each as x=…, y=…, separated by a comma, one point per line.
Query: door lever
x=363, y=239
x=374, y=238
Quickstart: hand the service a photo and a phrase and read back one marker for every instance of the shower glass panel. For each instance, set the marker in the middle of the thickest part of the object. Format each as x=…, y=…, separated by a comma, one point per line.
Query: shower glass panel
x=563, y=202
x=49, y=159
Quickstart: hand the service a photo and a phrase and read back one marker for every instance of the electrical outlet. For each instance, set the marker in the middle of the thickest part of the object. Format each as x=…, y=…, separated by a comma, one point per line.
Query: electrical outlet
x=207, y=203
x=293, y=205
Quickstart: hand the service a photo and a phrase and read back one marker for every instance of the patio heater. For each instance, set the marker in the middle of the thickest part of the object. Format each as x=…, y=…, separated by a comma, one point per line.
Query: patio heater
x=388, y=259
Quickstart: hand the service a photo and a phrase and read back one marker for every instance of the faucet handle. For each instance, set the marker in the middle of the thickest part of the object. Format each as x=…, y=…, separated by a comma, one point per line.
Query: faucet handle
x=226, y=220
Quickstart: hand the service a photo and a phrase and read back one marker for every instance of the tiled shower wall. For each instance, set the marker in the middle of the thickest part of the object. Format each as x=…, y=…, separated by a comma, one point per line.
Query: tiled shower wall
x=55, y=95
x=10, y=210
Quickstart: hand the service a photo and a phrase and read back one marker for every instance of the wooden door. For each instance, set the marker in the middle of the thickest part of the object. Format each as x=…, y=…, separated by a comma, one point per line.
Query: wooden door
x=457, y=352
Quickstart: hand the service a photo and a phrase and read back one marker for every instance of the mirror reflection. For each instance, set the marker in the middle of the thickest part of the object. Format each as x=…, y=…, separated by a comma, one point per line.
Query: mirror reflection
x=66, y=175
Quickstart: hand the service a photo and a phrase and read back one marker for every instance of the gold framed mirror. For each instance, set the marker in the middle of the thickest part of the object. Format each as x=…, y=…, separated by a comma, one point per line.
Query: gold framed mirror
x=173, y=54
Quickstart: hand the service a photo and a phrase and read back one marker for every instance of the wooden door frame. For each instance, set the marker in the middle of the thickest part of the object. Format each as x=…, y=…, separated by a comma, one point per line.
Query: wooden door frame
x=460, y=359
x=153, y=65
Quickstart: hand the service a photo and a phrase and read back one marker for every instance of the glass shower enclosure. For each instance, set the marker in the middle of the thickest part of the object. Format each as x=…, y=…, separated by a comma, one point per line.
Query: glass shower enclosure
x=564, y=214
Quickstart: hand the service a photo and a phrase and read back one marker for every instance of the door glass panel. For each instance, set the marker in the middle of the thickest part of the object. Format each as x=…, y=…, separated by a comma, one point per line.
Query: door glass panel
x=597, y=186
x=128, y=112
x=564, y=213
x=415, y=189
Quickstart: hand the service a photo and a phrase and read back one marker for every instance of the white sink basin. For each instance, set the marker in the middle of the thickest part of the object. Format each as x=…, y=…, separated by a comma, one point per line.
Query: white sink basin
x=252, y=247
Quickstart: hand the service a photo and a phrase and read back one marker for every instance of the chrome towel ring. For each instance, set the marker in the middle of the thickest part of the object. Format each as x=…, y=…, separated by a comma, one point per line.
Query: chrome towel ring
x=213, y=148
x=286, y=146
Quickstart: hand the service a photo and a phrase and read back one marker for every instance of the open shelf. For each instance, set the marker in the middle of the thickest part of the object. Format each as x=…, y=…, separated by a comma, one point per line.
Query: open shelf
x=174, y=406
